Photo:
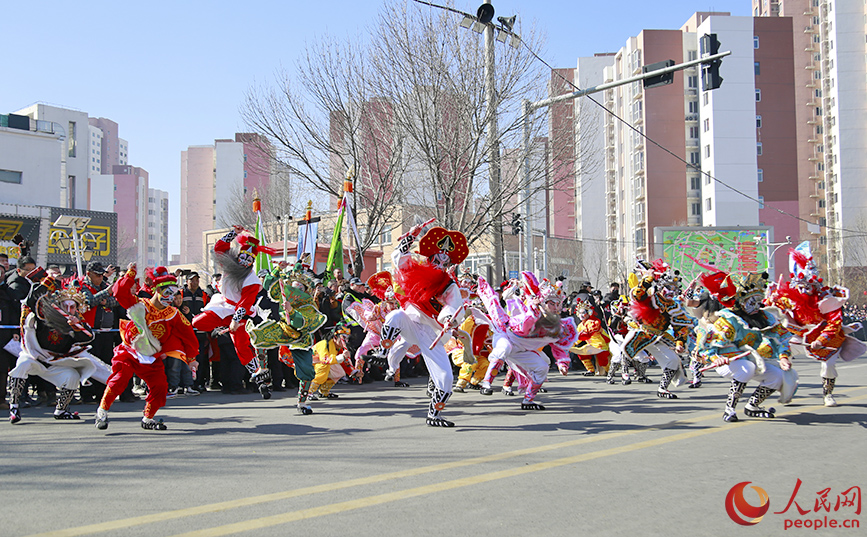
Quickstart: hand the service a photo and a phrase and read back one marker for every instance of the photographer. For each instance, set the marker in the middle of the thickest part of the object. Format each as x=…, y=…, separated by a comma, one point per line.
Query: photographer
x=194, y=299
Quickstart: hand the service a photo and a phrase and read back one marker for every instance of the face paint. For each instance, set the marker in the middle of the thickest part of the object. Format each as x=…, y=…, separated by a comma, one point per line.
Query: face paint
x=751, y=305
x=70, y=307
x=245, y=259
x=440, y=261
x=167, y=294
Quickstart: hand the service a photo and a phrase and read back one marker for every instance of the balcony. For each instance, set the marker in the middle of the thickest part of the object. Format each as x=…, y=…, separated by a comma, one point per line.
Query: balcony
x=811, y=30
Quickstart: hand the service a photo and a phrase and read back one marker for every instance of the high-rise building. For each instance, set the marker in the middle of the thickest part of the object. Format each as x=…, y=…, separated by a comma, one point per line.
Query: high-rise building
x=131, y=205
x=213, y=178
x=739, y=146
x=157, y=227
x=831, y=112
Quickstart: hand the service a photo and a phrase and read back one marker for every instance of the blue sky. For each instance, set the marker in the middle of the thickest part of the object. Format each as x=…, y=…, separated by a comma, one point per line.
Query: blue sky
x=174, y=74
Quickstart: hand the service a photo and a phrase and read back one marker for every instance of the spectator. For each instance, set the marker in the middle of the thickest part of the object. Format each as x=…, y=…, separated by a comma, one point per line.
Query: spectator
x=7, y=359
x=214, y=285
x=194, y=299
x=100, y=315
x=4, y=262
x=178, y=373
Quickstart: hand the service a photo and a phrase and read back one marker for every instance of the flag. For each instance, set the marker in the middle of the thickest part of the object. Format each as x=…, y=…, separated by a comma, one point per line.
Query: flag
x=358, y=262
x=335, y=254
x=263, y=261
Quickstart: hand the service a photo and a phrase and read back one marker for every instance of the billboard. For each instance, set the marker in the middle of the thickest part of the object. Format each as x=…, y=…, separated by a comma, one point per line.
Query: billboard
x=11, y=225
x=732, y=250
x=99, y=238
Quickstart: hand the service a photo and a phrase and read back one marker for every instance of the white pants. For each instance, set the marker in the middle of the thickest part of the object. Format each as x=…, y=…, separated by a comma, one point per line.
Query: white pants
x=744, y=370
x=412, y=333
x=67, y=373
x=521, y=354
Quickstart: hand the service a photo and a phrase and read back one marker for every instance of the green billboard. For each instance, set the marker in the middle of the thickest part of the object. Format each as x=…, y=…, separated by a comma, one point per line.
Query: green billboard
x=732, y=250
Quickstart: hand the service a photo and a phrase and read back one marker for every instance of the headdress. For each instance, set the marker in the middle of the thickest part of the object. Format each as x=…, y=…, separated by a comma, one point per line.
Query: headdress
x=552, y=292
x=250, y=248
x=381, y=285
x=802, y=267
x=161, y=277
x=750, y=284
x=439, y=240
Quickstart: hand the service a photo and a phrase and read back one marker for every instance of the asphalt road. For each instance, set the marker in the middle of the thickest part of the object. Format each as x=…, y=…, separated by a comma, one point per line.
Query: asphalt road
x=601, y=460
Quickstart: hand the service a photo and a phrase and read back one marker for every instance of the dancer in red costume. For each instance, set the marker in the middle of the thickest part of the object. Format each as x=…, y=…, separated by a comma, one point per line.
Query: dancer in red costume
x=156, y=330
x=814, y=314
x=236, y=301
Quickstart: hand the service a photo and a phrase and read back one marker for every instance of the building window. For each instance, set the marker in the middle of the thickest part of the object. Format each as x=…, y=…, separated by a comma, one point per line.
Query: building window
x=693, y=107
x=693, y=132
x=758, y=68
x=706, y=124
x=705, y=98
x=758, y=95
x=692, y=81
x=71, y=139
x=693, y=157
x=818, y=110
x=693, y=55
x=821, y=204
x=758, y=122
x=8, y=176
x=694, y=183
x=817, y=75
x=760, y=175
x=755, y=41
x=761, y=202
x=695, y=209
x=707, y=151
x=759, y=149
x=708, y=204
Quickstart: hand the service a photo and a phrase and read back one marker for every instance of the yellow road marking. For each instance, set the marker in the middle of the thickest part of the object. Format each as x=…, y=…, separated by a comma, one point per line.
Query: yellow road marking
x=428, y=489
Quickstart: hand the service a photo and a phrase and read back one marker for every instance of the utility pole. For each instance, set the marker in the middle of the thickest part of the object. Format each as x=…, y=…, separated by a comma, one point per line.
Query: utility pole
x=493, y=149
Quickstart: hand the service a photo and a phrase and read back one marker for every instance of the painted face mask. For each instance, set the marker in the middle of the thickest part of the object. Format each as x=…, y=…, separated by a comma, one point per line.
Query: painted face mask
x=440, y=261
x=70, y=307
x=751, y=305
x=245, y=259
x=167, y=294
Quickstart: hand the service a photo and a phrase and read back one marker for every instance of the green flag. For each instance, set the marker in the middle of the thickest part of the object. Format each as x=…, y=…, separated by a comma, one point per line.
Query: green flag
x=335, y=254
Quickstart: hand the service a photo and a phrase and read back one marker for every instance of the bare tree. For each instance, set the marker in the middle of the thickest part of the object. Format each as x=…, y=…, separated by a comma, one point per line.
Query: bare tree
x=406, y=109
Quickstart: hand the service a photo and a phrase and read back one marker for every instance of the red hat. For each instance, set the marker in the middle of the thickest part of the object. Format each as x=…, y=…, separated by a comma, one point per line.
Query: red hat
x=161, y=277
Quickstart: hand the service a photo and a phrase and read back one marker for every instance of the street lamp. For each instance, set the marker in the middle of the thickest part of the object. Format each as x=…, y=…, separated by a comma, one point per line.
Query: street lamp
x=768, y=252
x=77, y=224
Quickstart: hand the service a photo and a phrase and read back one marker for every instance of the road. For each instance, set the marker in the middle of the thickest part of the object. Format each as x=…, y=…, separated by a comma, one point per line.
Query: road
x=601, y=460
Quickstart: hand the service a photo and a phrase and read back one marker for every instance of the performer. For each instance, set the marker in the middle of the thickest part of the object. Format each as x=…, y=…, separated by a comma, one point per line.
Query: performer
x=293, y=334
x=432, y=308
x=745, y=342
x=472, y=373
x=372, y=317
x=239, y=287
x=328, y=355
x=155, y=330
x=814, y=314
x=55, y=346
x=520, y=334
x=654, y=308
x=593, y=339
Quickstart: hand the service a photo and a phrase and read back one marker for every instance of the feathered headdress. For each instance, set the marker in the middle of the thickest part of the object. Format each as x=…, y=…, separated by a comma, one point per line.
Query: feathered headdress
x=552, y=292
x=802, y=267
x=720, y=285
x=250, y=244
x=381, y=285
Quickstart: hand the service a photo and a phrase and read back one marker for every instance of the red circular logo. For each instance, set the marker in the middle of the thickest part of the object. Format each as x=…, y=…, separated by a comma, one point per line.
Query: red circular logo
x=738, y=509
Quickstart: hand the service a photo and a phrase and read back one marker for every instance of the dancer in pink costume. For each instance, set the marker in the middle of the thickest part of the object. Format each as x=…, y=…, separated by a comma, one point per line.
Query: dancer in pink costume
x=519, y=335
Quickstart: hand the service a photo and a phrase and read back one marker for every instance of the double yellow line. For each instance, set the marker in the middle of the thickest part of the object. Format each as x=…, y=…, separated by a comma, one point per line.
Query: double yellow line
x=379, y=499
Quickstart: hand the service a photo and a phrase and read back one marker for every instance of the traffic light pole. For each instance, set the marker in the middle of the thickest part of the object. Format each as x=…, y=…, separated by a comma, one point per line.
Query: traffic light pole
x=530, y=107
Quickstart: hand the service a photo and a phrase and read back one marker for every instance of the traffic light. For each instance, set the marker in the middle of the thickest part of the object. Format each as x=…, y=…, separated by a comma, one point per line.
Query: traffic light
x=710, y=79
x=659, y=80
x=517, y=225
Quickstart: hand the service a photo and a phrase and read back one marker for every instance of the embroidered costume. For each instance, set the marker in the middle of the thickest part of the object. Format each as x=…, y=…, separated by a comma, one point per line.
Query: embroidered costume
x=55, y=347
x=155, y=330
